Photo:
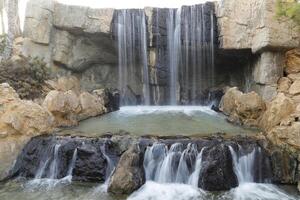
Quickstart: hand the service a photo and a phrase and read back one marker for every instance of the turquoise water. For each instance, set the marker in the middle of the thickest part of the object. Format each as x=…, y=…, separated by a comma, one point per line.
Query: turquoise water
x=161, y=120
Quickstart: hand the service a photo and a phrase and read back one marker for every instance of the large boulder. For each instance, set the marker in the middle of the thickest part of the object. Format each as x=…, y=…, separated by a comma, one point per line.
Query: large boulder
x=7, y=94
x=293, y=61
x=217, y=169
x=242, y=108
x=295, y=88
x=129, y=174
x=277, y=110
x=284, y=84
x=64, y=106
x=66, y=83
x=90, y=106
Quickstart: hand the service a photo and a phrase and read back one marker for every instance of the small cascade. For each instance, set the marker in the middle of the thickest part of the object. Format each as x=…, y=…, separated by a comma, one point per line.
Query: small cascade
x=132, y=54
x=248, y=166
x=176, y=165
x=72, y=164
x=54, y=163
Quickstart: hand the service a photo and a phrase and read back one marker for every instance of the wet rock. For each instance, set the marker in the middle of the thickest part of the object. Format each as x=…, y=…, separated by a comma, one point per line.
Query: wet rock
x=217, y=169
x=129, y=174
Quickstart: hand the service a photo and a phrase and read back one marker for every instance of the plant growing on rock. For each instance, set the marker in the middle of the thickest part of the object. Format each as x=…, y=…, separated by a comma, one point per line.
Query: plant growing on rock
x=288, y=8
x=25, y=75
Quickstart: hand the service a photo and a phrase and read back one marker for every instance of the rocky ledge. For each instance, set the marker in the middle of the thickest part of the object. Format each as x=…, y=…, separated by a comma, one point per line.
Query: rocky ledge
x=137, y=159
x=64, y=105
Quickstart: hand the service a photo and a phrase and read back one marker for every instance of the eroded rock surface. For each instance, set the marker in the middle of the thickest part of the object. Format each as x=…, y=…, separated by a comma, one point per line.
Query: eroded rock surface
x=129, y=174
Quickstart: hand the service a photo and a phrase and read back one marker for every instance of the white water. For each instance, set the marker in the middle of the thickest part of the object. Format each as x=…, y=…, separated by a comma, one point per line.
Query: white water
x=243, y=165
x=171, y=166
x=132, y=55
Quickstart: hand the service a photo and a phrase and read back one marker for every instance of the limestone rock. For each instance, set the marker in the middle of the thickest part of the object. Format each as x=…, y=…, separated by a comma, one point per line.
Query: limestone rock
x=284, y=84
x=295, y=88
x=7, y=94
x=26, y=117
x=293, y=61
x=90, y=106
x=243, y=108
x=129, y=174
x=64, y=106
x=66, y=83
x=278, y=109
x=294, y=77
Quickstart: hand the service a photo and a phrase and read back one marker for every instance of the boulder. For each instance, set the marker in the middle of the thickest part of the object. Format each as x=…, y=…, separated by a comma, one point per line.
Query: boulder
x=295, y=88
x=242, y=108
x=277, y=110
x=284, y=84
x=25, y=117
x=129, y=174
x=293, y=61
x=217, y=172
x=64, y=106
x=91, y=106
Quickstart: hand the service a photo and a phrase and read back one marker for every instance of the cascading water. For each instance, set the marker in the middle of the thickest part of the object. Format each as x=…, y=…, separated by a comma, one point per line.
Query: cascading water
x=176, y=165
x=132, y=55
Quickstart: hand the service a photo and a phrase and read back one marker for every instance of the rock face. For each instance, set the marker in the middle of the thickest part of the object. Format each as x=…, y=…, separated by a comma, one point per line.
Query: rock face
x=277, y=110
x=242, y=108
x=129, y=174
x=251, y=24
x=292, y=61
x=217, y=170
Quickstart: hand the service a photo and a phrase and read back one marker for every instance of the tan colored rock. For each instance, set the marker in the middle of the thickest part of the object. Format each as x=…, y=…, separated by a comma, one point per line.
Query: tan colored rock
x=293, y=61
x=91, y=106
x=284, y=84
x=243, y=108
x=7, y=93
x=129, y=174
x=25, y=117
x=66, y=83
x=64, y=106
x=277, y=110
x=295, y=88
x=294, y=77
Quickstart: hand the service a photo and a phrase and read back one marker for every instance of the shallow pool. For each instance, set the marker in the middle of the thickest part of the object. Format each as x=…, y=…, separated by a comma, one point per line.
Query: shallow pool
x=162, y=120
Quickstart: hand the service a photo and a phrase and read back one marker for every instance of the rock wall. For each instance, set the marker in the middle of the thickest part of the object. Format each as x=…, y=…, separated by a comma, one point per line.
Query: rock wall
x=79, y=40
x=253, y=25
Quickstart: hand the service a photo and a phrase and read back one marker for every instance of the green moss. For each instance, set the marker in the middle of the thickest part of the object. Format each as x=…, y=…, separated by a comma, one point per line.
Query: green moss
x=290, y=9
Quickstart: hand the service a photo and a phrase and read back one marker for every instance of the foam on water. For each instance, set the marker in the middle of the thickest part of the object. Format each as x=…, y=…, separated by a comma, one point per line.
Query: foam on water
x=142, y=110
x=246, y=191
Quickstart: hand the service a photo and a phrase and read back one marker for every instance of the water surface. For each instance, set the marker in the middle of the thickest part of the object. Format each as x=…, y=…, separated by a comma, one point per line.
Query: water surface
x=162, y=120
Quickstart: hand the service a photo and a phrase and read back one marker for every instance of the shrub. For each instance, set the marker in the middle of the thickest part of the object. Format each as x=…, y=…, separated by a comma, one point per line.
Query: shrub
x=25, y=75
x=288, y=8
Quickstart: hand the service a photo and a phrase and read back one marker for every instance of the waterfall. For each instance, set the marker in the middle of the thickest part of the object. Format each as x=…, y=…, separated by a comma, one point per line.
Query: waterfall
x=187, y=38
x=176, y=165
x=132, y=55
x=244, y=165
x=174, y=49
x=72, y=164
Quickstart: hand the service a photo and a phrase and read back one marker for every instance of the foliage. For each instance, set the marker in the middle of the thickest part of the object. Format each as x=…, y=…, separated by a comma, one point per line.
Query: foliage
x=25, y=75
x=288, y=8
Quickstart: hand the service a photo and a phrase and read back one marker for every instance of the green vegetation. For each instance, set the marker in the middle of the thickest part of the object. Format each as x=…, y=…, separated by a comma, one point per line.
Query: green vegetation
x=25, y=75
x=288, y=8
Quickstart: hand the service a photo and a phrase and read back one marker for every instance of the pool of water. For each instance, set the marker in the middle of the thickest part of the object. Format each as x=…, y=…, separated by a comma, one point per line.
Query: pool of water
x=161, y=120
x=60, y=190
